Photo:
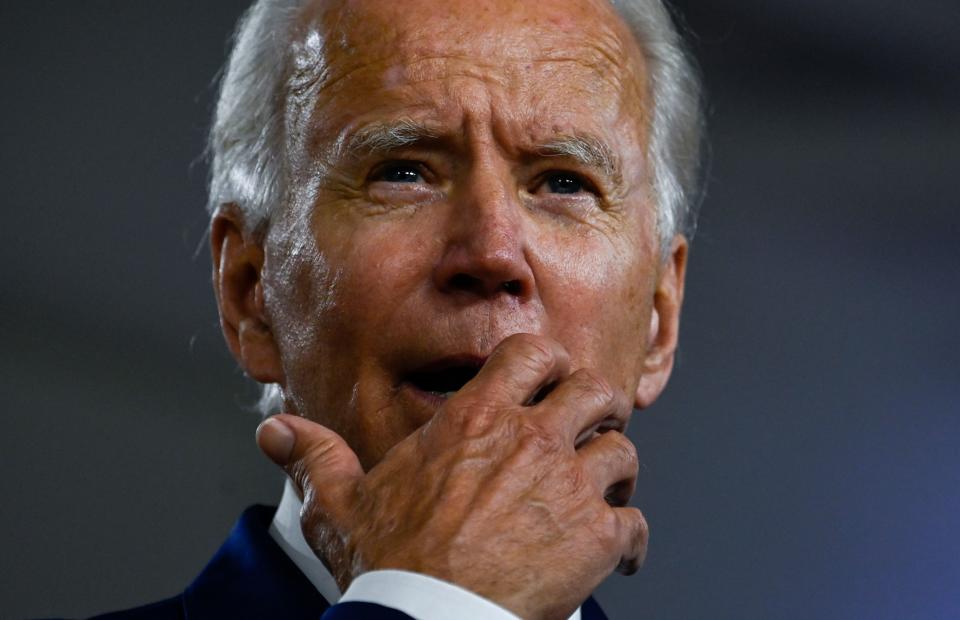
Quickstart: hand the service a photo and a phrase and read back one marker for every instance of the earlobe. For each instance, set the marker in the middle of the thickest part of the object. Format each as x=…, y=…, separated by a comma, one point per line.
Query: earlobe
x=237, y=265
x=664, y=327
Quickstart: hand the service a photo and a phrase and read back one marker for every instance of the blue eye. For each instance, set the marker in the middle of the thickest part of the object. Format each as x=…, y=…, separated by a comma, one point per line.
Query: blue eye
x=564, y=183
x=399, y=173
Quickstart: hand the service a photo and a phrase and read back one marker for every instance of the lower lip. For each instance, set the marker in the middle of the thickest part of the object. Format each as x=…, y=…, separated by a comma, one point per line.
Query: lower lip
x=429, y=398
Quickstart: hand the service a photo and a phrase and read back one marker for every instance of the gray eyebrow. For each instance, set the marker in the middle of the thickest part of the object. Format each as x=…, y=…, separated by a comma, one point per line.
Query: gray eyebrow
x=387, y=136
x=586, y=150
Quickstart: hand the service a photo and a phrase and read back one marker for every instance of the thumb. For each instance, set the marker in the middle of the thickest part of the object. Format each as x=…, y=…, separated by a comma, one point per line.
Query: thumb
x=320, y=463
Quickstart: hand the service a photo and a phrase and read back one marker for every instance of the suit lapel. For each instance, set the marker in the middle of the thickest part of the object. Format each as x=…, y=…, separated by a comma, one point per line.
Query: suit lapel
x=590, y=610
x=251, y=577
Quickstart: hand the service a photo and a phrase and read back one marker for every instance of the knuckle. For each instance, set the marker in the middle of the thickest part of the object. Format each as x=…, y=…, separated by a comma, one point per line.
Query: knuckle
x=524, y=339
x=472, y=419
x=597, y=386
x=533, y=351
x=477, y=421
x=641, y=539
x=641, y=531
x=607, y=531
x=626, y=450
x=623, y=532
x=534, y=440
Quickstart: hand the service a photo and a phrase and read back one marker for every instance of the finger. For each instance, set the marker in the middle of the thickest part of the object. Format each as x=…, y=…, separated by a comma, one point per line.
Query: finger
x=634, y=537
x=320, y=463
x=611, y=460
x=585, y=403
x=519, y=367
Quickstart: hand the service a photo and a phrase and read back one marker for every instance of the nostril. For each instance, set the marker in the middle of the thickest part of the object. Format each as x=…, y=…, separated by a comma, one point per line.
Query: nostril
x=483, y=287
x=464, y=282
x=513, y=287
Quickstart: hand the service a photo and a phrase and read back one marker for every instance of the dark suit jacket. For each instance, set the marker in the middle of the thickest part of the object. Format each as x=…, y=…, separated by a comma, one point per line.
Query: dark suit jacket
x=251, y=577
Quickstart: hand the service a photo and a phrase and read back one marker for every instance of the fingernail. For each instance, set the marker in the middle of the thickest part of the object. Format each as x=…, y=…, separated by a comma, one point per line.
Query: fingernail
x=276, y=439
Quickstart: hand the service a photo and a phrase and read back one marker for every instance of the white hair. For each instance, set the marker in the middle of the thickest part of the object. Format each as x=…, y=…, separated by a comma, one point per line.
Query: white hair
x=247, y=143
x=676, y=127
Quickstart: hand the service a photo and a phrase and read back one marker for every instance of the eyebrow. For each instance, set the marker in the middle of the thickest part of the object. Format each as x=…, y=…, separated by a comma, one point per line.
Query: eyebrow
x=388, y=136
x=588, y=151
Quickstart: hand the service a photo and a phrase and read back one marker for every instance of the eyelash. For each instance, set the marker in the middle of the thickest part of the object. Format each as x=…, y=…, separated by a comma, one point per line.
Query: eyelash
x=585, y=185
x=380, y=172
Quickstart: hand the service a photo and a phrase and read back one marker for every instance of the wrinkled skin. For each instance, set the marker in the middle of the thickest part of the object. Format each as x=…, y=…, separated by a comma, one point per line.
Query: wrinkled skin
x=492, y=493
x=387, y=259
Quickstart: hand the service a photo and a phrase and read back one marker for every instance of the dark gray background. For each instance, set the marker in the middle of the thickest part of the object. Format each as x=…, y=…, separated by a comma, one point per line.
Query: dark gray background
x=802, y=464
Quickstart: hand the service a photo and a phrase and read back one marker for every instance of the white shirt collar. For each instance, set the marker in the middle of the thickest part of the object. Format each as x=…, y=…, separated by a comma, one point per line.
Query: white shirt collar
x=287, y=533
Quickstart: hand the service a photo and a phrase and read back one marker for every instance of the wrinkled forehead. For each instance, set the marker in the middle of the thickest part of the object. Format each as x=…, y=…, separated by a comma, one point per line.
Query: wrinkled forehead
x=501, y=28
x=338, y=44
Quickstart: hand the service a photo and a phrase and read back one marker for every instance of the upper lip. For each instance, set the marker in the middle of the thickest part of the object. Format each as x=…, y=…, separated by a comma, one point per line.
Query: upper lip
x=446, y=374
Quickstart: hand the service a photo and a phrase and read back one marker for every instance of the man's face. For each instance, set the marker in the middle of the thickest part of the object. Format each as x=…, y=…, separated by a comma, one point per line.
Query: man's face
x=460, y=171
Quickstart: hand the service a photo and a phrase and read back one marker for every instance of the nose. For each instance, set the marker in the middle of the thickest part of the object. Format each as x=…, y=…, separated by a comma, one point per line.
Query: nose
x=486, y=251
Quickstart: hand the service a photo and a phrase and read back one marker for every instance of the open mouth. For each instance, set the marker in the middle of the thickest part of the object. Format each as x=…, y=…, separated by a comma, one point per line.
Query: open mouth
x=444, y=378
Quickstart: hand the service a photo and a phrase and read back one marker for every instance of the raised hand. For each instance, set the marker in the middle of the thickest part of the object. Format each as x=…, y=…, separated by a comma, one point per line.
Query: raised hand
x=516, y=489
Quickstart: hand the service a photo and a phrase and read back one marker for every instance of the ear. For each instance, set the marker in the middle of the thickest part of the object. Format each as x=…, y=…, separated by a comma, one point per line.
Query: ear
x=664, y=324
x=237, y=264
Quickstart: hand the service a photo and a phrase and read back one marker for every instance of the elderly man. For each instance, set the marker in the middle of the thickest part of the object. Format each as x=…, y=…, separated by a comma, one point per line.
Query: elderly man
x=449, y=239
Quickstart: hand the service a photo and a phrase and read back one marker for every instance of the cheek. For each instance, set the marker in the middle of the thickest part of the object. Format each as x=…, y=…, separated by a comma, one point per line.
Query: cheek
x=381, y=270
x=336, y=288
x=598, y=293
x=299, y=283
